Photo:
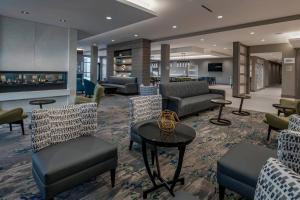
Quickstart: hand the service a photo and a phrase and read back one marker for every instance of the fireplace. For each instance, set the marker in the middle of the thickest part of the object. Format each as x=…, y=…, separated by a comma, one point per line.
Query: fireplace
x=20, y=81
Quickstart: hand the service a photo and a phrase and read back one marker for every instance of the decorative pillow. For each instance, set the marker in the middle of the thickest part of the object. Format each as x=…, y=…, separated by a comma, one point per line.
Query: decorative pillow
x=276, y=181
x=65, y=123
x=88, y=118
x=288, y=151
x=294, y=123
x=40, y=137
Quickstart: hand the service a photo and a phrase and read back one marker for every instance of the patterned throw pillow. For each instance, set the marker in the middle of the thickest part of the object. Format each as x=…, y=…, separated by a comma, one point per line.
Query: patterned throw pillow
x=294, y=123
x=288, y=151
x=88, y=119
x=65, y=123
x=40, y=137
x=276, y=181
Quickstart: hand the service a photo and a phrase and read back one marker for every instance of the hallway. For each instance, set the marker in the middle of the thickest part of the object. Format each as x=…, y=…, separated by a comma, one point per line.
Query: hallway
x=261, y=100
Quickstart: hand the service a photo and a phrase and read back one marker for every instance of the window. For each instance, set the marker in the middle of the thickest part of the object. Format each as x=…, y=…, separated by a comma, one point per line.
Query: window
x=87, y=68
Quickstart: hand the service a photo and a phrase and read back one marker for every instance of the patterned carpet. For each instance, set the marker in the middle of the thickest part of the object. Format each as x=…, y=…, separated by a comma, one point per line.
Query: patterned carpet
x=199, y=167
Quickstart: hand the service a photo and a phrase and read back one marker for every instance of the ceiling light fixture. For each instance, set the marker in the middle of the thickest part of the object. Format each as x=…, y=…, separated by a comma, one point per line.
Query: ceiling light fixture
x=263, y=40
x=225, y=48
x=202, y=39
x=24, y=12
x=112, y=40
x=136, y=35
x=252, y=33
x=174, y=26
x=220, y=17
x=108, y=17
x=214, y=45
x=62, y=20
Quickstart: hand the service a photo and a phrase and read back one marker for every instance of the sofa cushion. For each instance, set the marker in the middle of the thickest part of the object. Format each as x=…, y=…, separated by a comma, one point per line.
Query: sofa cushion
x=199, y=99
x=277, y=181
x=121, y=80
x=114, y=85
x=65, y=123
x=244, y=162
x=61, y=160
x=184, y=89
x=41, y=134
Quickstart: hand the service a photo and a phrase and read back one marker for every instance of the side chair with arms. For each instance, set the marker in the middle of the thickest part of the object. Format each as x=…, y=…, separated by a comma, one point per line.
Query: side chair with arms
x=97, y=95
x=13, y=116
x=89, y=87
x=278, y=123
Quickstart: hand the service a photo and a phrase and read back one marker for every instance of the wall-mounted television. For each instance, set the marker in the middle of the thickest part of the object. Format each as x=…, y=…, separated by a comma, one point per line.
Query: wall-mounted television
x=215, y=67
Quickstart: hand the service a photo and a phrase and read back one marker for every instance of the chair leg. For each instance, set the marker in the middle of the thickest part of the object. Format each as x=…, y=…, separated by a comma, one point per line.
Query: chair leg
x=10, y=127
x=22, y=126
x=113, y=177
x=152, y=157
x=130, y=145
x=269, y=133
x=221, y=192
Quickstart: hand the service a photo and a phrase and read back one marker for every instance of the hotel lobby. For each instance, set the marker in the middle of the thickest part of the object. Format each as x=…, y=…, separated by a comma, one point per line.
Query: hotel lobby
x=149, y=99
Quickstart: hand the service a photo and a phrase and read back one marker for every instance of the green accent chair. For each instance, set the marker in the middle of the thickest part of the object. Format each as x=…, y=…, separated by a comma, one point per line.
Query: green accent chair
x=98, y=94
x=14, y=116
x=277, y=122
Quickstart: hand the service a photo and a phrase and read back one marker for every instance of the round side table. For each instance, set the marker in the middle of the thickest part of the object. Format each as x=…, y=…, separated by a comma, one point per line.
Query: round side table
x=179, y=138
x=240, y=111
x=220, y=121
x=41, y=102
x=283, y=108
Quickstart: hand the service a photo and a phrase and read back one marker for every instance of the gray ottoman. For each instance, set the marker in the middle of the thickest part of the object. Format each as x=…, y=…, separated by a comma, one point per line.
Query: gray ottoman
x=62, y=166
x=239, y=168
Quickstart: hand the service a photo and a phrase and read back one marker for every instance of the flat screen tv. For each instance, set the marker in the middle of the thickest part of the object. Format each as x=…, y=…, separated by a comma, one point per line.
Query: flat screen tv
x=215, y=67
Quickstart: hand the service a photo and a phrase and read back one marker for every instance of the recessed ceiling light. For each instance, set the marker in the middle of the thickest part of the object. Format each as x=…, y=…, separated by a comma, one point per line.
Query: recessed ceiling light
x=202, y=39
x=136, y=35
x=25, y=12
x=112, y=40
x=62, y=20
x=214, y=45
x=252, y=33
x=263, y=40
x=225, y=48
x=220, y=17
x=108, y=17
x=174, y=26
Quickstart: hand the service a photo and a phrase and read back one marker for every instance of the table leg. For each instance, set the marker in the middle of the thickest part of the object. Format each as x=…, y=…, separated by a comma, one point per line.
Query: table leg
x=240, y=111
x=219, y=120
x=181, y=149
x=241, y=105
x=220, y=112
x=41, y=106
x=144, y=149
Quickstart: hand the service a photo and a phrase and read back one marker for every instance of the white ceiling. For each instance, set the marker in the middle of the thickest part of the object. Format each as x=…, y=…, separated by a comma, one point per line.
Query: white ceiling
x=189, y=16
x=85, y=15
x=272, y=56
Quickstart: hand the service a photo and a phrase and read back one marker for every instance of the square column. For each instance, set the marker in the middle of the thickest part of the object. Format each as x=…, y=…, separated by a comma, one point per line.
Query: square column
x=165, y=63
x=94, y=63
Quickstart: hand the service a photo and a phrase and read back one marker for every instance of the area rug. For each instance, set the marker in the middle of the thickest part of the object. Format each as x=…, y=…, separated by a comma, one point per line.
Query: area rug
x=199, y=166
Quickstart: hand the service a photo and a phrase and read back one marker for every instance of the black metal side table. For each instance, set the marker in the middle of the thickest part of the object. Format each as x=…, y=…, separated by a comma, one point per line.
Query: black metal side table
x=41, y=102
x=152, y=135
x=241, y=112
x=220, y=121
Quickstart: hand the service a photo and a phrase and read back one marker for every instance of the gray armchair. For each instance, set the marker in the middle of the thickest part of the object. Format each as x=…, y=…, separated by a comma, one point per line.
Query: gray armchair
x=65, y=156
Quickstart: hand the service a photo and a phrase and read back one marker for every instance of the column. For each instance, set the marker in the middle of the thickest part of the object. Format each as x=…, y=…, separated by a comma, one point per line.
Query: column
x=297, y=74
x=94, y=63
x=165, y=63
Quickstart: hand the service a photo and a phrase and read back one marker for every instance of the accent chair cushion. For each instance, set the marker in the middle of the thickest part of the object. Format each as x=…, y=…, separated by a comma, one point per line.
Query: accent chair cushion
x=41, y=130
x=244, y=162
x=294, y=123
x=288, y=150
x=64, y=159
x=65, y=123
x=276, y=181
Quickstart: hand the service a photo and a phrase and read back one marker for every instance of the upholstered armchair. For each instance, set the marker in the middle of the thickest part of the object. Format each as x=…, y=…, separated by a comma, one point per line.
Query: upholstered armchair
x=14, y=116
x=148, y=90
x=277, y=122
x=98, y=94
x=89, y=87
x=142, y=109
x=243, y=169
x=79, y=85
x=65, y=151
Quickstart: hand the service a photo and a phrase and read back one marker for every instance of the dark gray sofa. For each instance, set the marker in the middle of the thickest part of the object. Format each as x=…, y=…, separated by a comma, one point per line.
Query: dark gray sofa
x=189, y=97
x=125, y=85
x=62, y=166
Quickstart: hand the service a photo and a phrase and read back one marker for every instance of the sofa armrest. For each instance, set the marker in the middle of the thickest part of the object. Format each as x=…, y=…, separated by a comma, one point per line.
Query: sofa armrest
x=173, y=103
x=216, y=91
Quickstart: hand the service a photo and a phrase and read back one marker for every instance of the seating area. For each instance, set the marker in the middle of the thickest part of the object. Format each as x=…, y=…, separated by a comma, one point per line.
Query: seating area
x=149, y=99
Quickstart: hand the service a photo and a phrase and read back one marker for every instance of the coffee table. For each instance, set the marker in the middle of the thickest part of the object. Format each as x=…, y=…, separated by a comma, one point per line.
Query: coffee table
x=283, y=108
x=179, y=138
x=41, y=102
x=220, y=121
x=240, y=111
x=109, y=89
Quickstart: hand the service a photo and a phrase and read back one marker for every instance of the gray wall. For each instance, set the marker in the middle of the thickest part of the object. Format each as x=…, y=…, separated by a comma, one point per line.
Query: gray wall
x=222, y=77
x=31, y=46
